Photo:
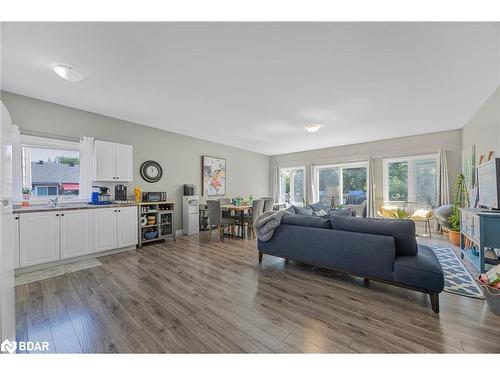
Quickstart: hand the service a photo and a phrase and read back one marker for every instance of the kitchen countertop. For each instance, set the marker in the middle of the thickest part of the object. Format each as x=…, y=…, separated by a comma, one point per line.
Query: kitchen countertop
x=67, y=206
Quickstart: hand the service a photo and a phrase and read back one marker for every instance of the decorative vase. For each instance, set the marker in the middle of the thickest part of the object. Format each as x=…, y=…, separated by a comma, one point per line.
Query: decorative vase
x=454, y=237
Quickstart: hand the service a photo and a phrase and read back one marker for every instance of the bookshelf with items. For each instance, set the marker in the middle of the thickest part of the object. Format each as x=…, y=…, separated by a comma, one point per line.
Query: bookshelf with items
x=156, y=221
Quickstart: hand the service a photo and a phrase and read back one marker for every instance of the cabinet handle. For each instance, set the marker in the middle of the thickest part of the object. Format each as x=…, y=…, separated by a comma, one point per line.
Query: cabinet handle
x=16, y=218
x=57, y=214
x=62, y=214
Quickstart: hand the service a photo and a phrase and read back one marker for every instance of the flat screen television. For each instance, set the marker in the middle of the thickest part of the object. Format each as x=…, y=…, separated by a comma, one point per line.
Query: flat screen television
x=488, y=181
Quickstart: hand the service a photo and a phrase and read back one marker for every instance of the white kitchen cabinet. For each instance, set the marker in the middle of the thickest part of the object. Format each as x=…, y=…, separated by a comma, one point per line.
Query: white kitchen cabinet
x=113, y=162
x=39, y=238
x=105, y=232
x=76, y=233
x=127, y=226
x=124, y=162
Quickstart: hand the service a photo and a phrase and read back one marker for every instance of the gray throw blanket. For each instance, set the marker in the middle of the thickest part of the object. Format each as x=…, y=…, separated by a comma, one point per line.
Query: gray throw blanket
x=267, y=223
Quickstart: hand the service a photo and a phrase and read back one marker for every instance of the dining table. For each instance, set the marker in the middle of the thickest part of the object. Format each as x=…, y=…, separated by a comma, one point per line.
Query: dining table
x=241, y=209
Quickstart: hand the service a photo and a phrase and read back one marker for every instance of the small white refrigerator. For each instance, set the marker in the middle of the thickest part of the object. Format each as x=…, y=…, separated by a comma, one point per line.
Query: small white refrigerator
x=190, y=215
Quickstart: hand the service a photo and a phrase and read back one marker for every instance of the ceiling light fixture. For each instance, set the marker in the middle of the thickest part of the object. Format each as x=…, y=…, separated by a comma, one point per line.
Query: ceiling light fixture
x=68, y=73
x=311, y=128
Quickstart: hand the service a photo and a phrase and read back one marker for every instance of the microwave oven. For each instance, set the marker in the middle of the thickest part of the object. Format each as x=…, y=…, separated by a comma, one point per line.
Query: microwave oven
x=154, y=196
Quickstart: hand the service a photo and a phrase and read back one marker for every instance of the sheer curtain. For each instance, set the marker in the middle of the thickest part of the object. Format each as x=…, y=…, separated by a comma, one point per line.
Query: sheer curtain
x=87, y=167
x=370, y=209
x=444, y=190
x=275, y=171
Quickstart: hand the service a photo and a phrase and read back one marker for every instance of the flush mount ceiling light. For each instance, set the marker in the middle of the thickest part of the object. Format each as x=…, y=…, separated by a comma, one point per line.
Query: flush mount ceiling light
x=311, y=128
x=68, y=73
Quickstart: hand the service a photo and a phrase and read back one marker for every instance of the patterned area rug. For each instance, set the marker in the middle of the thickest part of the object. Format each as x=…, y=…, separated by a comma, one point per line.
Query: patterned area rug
x=457, y=279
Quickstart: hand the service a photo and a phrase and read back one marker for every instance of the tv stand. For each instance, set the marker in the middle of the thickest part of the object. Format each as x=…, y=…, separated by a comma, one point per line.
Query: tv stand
x=481, y=227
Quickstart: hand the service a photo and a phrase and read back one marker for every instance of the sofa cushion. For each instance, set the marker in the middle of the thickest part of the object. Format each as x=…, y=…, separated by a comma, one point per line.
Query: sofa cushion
x=291, y=210
x=303, y=210
x=422, y=271
x=403, y=231
x=307, y=221
x=342, y=212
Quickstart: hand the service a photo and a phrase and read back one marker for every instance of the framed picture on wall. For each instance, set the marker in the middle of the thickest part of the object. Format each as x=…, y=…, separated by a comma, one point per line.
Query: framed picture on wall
x=213, y=176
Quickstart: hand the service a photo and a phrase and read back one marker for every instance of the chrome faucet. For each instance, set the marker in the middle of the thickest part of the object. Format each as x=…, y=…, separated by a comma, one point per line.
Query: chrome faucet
x=54, y=201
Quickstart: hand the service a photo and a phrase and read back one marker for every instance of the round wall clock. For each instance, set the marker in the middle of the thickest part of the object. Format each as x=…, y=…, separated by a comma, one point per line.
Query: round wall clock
x=151, y=171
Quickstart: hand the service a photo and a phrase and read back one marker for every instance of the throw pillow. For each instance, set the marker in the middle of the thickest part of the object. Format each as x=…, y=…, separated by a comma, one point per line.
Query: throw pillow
x=320, y=212
x=290, y=210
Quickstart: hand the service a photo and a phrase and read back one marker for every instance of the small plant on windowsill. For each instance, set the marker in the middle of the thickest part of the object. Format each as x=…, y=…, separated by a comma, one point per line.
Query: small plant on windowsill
x=27, y=193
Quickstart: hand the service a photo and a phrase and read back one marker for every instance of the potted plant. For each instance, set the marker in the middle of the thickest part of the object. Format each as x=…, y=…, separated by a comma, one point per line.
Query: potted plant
x=26, y=196
x=461, y=200
x=454, y=223
x=400, y=214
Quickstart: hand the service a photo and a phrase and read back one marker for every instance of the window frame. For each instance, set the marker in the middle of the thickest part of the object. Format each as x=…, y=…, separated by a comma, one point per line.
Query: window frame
x=303, y=169
x=53, y=144
x=411, y=178
x=341, y=166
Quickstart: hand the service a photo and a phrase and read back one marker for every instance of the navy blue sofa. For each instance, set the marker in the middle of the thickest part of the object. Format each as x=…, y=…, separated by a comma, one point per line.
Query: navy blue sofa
x=376, y=249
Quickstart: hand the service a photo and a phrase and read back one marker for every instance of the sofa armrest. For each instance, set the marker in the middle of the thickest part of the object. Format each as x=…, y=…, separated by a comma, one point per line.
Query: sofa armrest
x=364, y=254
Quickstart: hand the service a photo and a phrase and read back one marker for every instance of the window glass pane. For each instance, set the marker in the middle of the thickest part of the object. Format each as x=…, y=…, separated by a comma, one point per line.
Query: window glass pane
x=329, y=185
x=51, y=172
x=425, y=175
x=298, y=186
x=398, y=181
x=354, y=185
x=285, y=186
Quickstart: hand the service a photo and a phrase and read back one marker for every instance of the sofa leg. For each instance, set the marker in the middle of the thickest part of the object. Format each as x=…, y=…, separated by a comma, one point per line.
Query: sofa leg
x=434, y=302
x=366, y=281
x=261, y=254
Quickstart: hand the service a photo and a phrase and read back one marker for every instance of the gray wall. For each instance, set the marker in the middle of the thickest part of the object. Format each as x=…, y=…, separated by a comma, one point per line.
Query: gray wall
x=179, y=156
x=451, y=141
x=483, y=129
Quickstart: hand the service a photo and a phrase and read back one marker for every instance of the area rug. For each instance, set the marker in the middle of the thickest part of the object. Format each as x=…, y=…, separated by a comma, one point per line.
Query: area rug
x=61, y=269
x=457, y=279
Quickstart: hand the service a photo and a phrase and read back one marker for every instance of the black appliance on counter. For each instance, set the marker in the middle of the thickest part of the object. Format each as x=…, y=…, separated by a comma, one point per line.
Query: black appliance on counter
x=154, y=196
x=120, y=192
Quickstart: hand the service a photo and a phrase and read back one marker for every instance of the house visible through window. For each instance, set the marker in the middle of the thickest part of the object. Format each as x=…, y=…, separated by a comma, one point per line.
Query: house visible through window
x=341, y=184
x=292, y=185
x=411, y=179
x=50, y=168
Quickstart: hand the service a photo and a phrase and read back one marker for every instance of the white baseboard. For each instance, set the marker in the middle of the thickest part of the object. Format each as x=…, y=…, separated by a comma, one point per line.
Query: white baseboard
x=178, y=232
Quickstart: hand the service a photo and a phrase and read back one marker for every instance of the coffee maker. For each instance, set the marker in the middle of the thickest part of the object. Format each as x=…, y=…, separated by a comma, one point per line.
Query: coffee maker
x=120, y=192
x=100, y=195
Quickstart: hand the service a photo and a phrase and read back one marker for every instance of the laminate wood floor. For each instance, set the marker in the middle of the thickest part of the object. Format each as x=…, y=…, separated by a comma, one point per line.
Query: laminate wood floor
x=201, y=296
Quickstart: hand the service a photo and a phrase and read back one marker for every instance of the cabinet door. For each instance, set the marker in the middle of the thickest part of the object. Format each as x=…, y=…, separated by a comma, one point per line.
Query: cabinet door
x=127, y=226
x=39, y=234
x=124, y=161
x=105, y=159
x=104, y=229
x=76, y=233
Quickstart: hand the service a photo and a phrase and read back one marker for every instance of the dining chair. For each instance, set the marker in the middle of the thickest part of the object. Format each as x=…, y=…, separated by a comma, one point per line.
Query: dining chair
x=216, y=221
x=227, y=213
x=268, y=204
x=257, y=210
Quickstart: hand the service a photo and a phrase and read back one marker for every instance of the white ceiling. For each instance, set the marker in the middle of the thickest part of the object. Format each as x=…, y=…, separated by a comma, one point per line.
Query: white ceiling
x=256, y=85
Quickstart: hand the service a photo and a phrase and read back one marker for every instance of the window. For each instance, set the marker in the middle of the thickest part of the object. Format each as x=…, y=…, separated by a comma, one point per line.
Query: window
x=411, y=179
x=340, y=184
x=292, y=185
x=50, y=167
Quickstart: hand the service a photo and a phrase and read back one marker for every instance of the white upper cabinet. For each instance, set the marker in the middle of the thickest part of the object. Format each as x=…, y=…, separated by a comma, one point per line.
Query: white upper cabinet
x=39, y=238
x=76, y=233
x=113, y=162
x=124, y=162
